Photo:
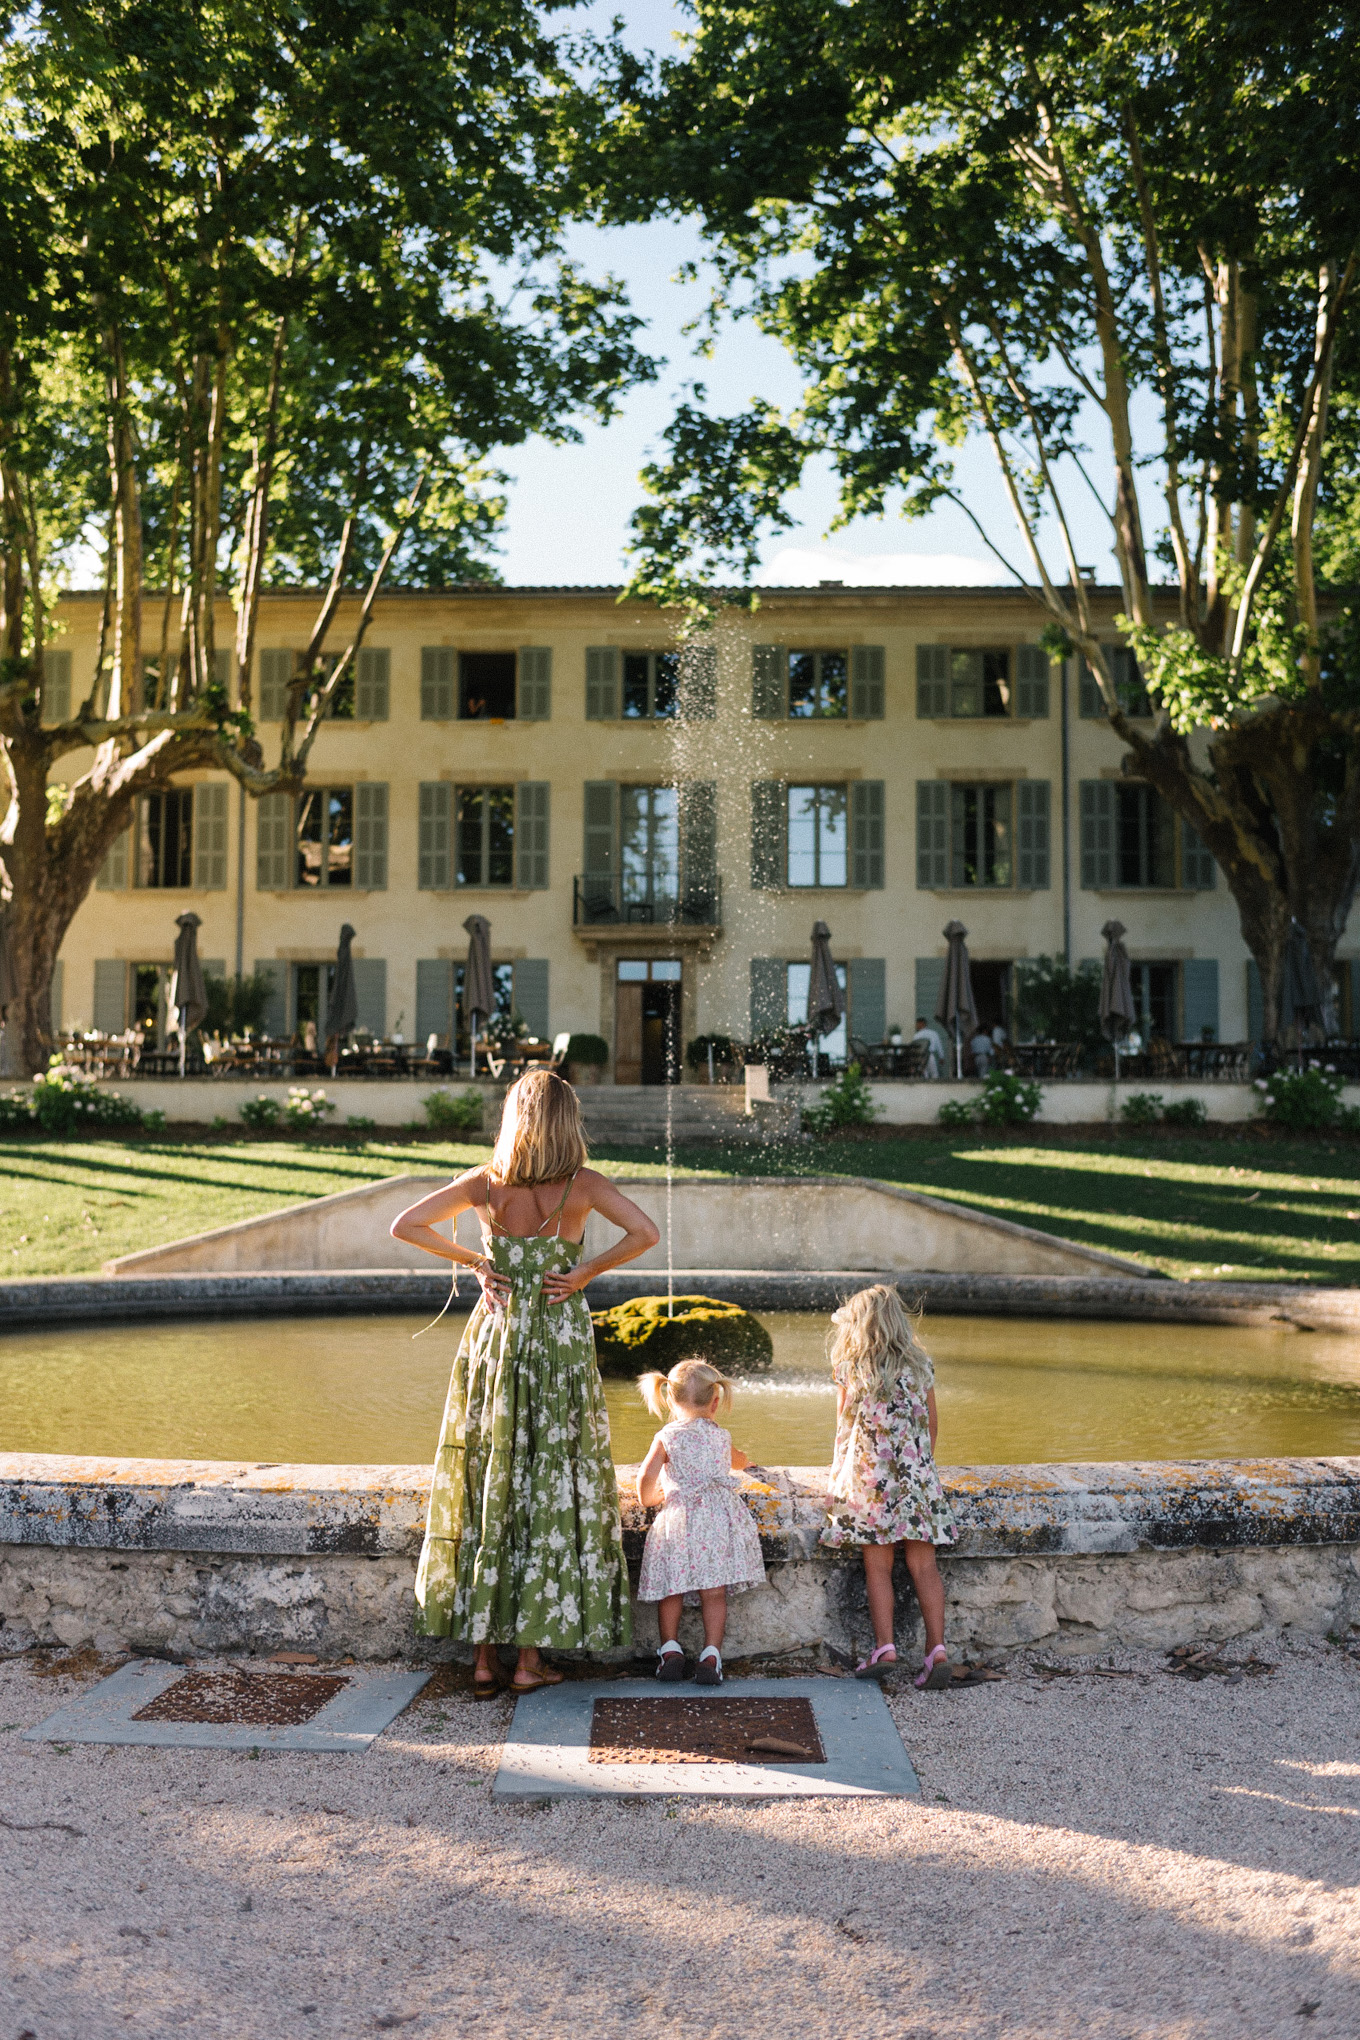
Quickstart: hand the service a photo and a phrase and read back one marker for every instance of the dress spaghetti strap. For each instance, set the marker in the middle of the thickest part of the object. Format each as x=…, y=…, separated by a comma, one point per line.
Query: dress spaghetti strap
x=555, y=1213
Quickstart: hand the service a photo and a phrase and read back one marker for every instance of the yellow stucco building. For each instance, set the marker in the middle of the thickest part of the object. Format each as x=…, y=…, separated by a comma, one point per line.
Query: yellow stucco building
x=651, y=836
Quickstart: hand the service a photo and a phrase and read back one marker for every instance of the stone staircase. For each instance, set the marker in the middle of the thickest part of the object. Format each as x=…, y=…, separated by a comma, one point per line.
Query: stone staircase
x=634, y=1115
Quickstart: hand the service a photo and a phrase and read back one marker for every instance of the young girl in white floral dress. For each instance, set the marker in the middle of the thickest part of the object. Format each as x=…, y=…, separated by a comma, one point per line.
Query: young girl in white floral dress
x=703, y=1542
x=885, y=1490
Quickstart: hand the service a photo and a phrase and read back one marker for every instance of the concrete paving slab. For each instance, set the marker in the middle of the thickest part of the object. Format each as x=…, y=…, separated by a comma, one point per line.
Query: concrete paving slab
x=547, y=1750
x=369, y=1702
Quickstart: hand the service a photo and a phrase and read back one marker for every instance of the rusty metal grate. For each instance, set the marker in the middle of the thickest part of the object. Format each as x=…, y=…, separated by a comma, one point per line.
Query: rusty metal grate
x=680, y=1729
x=244, y=1699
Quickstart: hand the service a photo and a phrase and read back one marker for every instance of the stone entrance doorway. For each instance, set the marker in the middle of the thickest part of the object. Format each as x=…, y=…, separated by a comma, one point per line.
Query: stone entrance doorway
x=647, y=1020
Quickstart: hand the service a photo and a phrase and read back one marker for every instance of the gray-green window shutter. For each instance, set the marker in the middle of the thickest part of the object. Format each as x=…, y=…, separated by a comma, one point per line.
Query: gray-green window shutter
x=56, y=986
x=866, y=682
x=531, y=994
x=372, y=685
x=1089, y=704
x=1097, y=834
x=1031, y=682
x=436, y=683
x=434, y=1000
x=1198, y=871
x=1256, y=1005
x=769, y=994
x=432, y=858
x=110, y=995
x=370, y=836
x=535, y=683
x=929, y=985
x=867, y=978
x=210, y=838
x=602, y=683
x=1199, y=992
x=222, y=658
x=932, y=681
x=531, y=836
x=56, y=687
x=698, y=692
x=699, y=840
x=769, y=682
x=932, y=835
x=113, y=872
x=274, y=842
x=601, y=829
x=370, y=992
x=274, y=1019
x=769, y=833
x=276, y=670
x=1032, y=859
x=866, y=833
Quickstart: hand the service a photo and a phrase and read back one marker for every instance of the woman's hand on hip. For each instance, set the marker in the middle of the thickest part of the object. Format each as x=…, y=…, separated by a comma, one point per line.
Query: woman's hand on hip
x=495, y=1287
x=560, y=1283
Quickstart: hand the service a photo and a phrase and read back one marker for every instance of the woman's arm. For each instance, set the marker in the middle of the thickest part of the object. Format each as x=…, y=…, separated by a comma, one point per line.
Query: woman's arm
x=649, y=1474
x=934, y=1417
x=638, y=1235
x=416, y=1226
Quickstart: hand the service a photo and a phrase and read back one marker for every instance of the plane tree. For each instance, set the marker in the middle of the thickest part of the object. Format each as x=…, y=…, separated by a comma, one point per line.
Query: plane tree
x=276, y=285
x=1067, y=228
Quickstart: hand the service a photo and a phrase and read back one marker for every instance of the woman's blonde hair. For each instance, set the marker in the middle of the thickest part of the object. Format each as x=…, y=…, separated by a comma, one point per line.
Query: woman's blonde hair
x=541, y=1139
x=690, y=1385
x=873, y=1344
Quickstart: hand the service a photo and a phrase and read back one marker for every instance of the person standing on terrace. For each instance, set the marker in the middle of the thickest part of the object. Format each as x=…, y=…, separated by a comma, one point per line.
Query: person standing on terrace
x=524, y=1543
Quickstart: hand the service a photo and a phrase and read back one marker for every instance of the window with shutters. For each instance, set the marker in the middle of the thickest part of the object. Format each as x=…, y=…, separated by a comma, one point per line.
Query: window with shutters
x=486, y=835
x=323, y=837
x=651, y=686
x=150, y=986
x=819, y=685
x=436, y=683
x=370, y=836
x=1129, y=685
x=165, y=839
x=535, y=683
x=830, y=1047
x=1031, y=835
x=1130, y=841
x=56, y=688
x=1199, y=873
x=866, y=683
x=273, y=842
x=698, y=686
x=932, y=835
x=649, y=845
x=531, y=834
x=434, y=818
x=372, y=685
x=866, y=833
x=818, y=836
x=968, y=684
x=602, y=683
x=486, y=686
x=113, y=872
x=210, y=838
x=1031, y=682
x=980, y=836
x=271, y=693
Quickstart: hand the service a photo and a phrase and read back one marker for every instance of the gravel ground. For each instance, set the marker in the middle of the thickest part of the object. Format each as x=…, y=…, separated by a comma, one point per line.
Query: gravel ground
x=1094, y=1855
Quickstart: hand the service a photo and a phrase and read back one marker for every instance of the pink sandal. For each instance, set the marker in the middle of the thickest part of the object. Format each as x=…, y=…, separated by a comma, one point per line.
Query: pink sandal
x=883, y=1661
x=934, y=1673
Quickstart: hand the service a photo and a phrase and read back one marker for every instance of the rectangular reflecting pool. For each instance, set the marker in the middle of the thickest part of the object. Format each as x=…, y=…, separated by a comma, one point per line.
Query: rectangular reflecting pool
x=362, y=1389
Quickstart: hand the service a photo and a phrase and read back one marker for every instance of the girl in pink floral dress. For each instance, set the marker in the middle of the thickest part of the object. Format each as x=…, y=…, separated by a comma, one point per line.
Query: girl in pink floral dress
x=703, y=1541
x=885, y=1490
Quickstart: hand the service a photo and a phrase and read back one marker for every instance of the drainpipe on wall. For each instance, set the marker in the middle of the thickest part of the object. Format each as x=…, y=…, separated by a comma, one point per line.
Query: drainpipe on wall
x=1066, y=827
x=241, y=878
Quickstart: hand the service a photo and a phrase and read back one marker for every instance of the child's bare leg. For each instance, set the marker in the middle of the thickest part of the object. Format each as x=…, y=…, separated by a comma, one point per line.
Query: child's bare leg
x=925, y=1577
x=713, y=1609
x=668, y=1617
x=878, y=1565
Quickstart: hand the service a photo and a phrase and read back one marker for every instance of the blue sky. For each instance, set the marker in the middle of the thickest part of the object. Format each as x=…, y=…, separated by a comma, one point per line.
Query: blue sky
x=569, y=506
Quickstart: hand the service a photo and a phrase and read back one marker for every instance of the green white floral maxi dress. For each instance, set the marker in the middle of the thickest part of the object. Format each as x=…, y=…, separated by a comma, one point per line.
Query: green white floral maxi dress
x=523, y=1544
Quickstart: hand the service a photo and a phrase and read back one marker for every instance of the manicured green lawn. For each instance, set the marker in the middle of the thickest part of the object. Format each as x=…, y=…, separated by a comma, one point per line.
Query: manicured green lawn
x=1203, y=1208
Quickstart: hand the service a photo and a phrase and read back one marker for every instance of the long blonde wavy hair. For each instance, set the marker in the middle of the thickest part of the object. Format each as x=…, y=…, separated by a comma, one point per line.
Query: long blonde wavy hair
x=541, y=1138
x=690, y=1385
x=873, y=1344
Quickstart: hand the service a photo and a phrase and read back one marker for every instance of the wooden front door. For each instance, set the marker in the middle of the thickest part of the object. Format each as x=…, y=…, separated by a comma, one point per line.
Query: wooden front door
x=628, y=1033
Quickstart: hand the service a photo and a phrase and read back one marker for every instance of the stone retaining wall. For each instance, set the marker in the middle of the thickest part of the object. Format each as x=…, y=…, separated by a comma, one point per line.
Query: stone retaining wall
x=192, y=1557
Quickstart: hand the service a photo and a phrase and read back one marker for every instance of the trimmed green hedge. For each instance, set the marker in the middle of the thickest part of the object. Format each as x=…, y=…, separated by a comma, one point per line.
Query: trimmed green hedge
x=636, y=1336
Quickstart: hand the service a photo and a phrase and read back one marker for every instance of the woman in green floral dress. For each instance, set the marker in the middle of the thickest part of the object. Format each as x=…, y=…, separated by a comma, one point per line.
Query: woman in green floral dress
x=523, y=1544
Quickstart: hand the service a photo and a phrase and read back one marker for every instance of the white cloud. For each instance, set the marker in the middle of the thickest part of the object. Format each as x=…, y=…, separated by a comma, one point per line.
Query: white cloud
x=805, y=567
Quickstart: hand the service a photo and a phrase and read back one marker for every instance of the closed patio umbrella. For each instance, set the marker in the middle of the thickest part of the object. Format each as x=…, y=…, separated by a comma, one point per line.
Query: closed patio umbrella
x=342, y=1011
x=1117, y=1010
x=9, y=991
x=188, y=993
x=825, y=999
x=957, y=1009
x=479, y=986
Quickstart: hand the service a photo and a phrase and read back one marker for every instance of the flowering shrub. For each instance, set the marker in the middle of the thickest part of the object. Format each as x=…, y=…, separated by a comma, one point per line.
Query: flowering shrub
x=1141, y=1108
x=66, y=1101
x=306, y=1108
x=1303, y=1099
x=261, y=1112
x=16, y=1113
x=1008, y=1100
x=956, y=1112
x=849, y=1102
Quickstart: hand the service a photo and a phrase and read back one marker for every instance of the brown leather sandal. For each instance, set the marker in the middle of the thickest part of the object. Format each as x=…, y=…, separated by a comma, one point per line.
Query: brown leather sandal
x=529, y=1682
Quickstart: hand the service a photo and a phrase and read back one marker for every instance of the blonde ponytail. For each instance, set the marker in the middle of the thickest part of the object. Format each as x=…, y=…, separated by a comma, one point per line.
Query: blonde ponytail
x=652, y=1388
x=692, y=1384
